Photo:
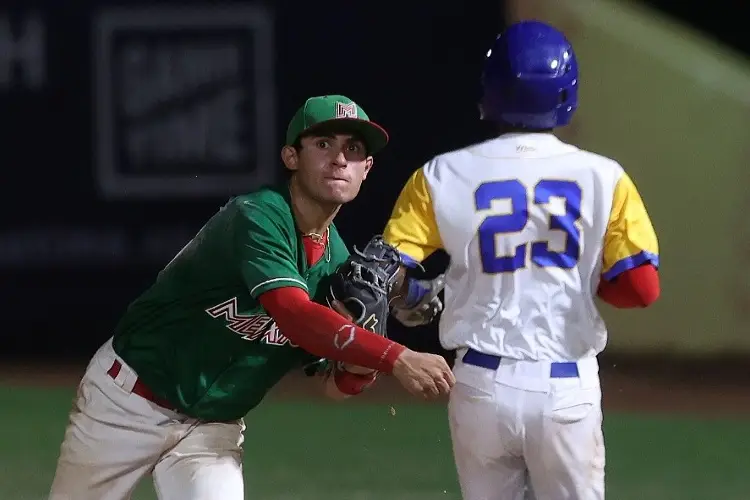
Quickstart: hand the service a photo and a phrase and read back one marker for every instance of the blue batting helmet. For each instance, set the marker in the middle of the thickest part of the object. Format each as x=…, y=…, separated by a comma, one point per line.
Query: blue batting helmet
x=530, y=78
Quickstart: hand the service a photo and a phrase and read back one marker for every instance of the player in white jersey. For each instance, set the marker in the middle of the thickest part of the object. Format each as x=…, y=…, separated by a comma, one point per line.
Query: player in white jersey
x=535, y=229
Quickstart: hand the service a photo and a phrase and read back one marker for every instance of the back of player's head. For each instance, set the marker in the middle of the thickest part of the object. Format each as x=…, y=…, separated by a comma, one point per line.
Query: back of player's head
x=530, y=78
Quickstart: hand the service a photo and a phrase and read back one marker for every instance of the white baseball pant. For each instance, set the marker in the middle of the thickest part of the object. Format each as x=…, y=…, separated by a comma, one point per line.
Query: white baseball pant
x=519, y=433
x=116, y=438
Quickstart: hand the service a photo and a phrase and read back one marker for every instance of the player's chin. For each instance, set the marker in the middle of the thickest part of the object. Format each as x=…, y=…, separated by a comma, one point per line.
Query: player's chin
x=340, y=192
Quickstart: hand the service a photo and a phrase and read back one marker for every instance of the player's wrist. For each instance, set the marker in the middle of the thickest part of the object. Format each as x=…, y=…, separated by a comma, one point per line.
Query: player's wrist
x=391, y=356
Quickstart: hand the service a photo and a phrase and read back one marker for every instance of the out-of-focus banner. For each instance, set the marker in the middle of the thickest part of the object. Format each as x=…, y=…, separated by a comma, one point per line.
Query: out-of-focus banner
x=109, y=109
x=126, y=127
x=674, y=109
x=184, y=100
x=129, y=124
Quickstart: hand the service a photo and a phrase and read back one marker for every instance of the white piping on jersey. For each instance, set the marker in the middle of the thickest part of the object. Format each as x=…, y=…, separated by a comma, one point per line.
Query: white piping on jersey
x=274, y=280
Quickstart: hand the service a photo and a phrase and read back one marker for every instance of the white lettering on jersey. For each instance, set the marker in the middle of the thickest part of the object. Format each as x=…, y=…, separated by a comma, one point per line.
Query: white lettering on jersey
x=249, y=326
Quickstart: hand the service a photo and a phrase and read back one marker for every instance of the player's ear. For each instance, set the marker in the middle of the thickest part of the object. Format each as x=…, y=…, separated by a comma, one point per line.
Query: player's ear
x=290, y=157
x=368, y=165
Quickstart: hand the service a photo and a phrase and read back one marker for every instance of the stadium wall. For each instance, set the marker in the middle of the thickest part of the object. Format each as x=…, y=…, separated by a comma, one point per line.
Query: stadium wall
x=671, y=106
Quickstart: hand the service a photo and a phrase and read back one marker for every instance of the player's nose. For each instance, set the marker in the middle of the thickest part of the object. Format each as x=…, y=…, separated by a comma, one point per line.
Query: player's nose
x=339, y=158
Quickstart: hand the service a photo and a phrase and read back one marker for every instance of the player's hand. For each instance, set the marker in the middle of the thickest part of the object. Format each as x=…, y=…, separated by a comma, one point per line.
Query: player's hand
x=340, y=308
x=423, y=374
x=425, y=309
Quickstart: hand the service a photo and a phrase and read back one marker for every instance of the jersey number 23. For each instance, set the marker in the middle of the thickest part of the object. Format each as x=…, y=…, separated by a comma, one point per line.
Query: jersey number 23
x=494, y=226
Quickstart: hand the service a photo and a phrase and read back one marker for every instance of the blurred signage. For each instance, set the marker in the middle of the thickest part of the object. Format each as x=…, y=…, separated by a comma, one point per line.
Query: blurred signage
x=183, y=101
x=23, y=63
x=64, y=247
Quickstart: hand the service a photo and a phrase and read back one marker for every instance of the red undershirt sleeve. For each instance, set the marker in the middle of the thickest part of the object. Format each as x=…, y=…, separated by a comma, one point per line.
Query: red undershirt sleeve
x=636, y=287
x=325, y=333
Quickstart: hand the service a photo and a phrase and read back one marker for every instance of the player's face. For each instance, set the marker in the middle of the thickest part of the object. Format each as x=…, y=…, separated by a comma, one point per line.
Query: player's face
x=330, y=167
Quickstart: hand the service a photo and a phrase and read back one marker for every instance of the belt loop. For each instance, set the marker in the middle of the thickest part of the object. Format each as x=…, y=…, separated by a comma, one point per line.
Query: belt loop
x=129, y=380
x=122, y=373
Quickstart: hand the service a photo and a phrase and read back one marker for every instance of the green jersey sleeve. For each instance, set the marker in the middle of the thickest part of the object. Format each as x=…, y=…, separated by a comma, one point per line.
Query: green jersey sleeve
x=266, y=249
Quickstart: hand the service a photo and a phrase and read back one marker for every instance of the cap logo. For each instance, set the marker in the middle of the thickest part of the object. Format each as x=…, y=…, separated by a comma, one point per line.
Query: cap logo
x=344, y=110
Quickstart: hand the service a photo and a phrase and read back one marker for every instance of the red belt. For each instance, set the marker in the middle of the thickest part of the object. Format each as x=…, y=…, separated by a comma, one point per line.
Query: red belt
x=141, y=389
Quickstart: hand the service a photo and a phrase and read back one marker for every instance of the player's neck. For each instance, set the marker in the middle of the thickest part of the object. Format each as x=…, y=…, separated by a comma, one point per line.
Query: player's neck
x=501, y=129
x=312, y=216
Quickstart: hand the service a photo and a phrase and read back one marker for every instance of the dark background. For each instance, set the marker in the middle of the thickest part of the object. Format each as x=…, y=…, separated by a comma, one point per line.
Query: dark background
x=71, y=257
x=723, y=20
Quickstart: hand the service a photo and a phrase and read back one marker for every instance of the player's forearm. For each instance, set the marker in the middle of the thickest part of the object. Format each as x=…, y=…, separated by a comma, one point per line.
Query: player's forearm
x=325, y=333
x=637, y=287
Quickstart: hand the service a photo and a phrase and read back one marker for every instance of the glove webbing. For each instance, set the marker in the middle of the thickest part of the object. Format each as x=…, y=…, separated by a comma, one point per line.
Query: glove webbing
x=379, y=282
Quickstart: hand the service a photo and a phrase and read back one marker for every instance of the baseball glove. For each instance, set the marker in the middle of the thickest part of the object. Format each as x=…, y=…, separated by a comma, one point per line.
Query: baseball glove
x=363, y=284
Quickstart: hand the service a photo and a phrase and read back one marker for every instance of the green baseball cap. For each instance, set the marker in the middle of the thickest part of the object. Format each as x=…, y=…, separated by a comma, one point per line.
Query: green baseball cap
x=331, y=109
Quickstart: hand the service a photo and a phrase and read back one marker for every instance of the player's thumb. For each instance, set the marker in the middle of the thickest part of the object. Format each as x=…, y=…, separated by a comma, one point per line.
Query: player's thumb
x=340, y=308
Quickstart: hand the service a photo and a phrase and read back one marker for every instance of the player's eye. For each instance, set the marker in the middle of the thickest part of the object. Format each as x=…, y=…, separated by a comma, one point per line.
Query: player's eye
x=355, y=147
x=323, y=143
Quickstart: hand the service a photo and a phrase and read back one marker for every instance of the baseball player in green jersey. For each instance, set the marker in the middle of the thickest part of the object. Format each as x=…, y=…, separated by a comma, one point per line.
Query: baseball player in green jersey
x=237, y=309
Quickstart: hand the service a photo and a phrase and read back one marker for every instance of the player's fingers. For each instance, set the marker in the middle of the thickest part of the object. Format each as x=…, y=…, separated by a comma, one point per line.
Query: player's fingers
x=431, y=390
x=442, y=366
x=443, y=386
x=416, y=389
x=449, y=377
